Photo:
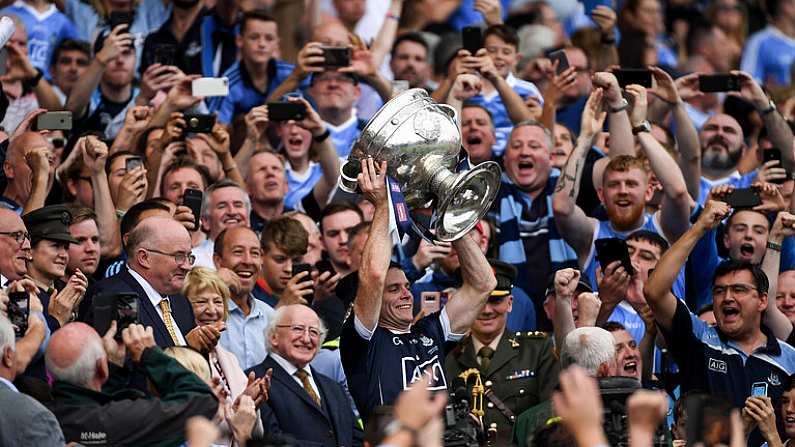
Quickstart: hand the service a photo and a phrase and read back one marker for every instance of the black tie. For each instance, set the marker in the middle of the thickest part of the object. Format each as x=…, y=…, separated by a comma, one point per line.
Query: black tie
x=485, y=353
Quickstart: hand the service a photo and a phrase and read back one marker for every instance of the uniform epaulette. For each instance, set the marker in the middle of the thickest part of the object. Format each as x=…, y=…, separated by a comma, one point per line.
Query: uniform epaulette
x=532, y=334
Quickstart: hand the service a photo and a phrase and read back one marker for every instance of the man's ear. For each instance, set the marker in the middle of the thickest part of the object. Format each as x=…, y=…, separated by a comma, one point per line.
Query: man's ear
x=71, y=187
x=102, y=372
x=9, y=357
x=763, y=301
x=8, y=169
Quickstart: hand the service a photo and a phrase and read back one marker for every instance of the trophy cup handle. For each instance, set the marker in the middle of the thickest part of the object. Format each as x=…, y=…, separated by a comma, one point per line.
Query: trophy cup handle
x=348, y=174
x=467, y=201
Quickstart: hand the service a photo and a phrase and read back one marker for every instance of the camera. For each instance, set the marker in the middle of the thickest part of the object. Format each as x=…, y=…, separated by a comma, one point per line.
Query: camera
x=615, y=391
x=460, y=427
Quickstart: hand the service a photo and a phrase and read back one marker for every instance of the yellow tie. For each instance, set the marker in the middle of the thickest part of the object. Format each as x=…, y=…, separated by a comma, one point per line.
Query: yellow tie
x=169, y=322
x=304, y=377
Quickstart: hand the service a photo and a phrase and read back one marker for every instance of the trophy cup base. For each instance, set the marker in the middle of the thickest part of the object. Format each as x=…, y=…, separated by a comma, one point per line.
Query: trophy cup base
x=463, y=206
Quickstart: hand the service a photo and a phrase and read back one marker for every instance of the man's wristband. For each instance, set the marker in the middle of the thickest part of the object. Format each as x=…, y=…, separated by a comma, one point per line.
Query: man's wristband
x=396, y=426
x=771, y=107
x=32, y=82
x=621, y=106
x=322, y=137
x=773, y=246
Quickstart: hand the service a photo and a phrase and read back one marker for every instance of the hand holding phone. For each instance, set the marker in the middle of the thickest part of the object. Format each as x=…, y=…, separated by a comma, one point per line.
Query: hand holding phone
x=204, y=87
x=286, y=111
x=133, y=162
x=53, y=121
x=472, y=38
x=743, y=198
x=723, y=82
x=336, y=57
x=19, y=311
x=627, y=76
x=192, y=198
x=609, y=250
x=199, y=123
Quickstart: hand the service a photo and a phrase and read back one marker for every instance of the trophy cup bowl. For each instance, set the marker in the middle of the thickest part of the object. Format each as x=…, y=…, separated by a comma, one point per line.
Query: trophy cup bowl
x=420, y=141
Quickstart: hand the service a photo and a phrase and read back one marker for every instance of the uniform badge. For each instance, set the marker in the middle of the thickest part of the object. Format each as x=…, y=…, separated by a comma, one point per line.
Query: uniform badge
x=514, y=343
x=520, y=374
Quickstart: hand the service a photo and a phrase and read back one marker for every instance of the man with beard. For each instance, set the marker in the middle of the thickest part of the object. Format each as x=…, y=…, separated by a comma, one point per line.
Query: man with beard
x=625, y=191
x=741, y=350
x=409, y=61
x=100, y=99
x=238, y=258
x=498, y=354
x=722, y=143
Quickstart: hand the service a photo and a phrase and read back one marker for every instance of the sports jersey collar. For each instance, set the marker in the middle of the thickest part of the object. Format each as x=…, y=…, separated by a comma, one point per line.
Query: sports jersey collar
x=771, y=347
x=780, y=35
x=270, y=70
x=352, y=121
x=34, y=12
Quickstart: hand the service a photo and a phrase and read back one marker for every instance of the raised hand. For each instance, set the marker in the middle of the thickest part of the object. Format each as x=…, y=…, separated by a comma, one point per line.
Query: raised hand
x=713, y=214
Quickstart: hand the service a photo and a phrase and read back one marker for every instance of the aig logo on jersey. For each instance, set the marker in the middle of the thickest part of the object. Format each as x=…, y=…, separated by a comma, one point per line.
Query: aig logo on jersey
x=413, y=370
x=717, y=365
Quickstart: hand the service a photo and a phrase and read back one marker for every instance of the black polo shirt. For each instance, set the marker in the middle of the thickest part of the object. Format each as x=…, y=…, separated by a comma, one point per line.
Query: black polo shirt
x=188, y=56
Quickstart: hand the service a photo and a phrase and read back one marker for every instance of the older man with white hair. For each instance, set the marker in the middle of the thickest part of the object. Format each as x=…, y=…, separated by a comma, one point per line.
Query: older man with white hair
x=225, y=205
x=303, y=403
x=591, y=348
x=29, y=423
x=92, y=409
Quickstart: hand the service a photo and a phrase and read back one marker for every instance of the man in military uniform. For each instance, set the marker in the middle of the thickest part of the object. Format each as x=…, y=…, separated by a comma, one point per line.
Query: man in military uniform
x=518, y=370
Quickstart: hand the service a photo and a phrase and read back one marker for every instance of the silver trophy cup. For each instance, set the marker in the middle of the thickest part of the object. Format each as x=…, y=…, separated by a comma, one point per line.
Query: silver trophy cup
x=420, y=141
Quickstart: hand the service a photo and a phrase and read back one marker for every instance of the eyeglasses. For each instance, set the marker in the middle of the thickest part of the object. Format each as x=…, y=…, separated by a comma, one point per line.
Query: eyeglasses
x=736, y=289
x=18, y=236
x=179, y=257
x=299, y=330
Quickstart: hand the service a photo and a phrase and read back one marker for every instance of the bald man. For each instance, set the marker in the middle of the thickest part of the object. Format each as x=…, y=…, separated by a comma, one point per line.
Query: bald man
x=158, y=258
x=14, y=247
x=27, y=168
x=91, y=409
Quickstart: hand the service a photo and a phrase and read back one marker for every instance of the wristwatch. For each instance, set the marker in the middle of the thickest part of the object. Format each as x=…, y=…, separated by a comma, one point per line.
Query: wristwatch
x=771, y=107
x=623, y=104
x=30, y=83
x=644, y=126
x=773, y=246
x=322, y=137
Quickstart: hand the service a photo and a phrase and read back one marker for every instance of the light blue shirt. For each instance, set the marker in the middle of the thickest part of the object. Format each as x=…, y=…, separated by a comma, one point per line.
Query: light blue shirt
x=768, y=56
x=245, y=334
x=301, y=184
x=344, y=135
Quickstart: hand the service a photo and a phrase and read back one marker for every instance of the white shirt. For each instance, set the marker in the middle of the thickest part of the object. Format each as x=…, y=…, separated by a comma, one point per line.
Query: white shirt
x=155, y=299
x=9, y=384
x=291, y=369
x=204, y=254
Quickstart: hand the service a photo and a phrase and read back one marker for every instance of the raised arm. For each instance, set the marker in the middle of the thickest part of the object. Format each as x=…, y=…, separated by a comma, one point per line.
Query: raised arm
x=95, y=154
x=671, y=94
x=658, y=287
x=386, y=35
x=565, y=285
x=466, y=302
x=621, y=141
x=326, y=152
x=514, y=104
x=675, y=209
x=466, y=85
x=784, y=226
x=378, y=249
x=573, y=224
x=778, y=130
x=310, y=60
x=80, y=97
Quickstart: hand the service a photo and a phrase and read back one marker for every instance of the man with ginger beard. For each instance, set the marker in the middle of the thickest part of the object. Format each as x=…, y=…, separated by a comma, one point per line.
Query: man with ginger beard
x=499, y=353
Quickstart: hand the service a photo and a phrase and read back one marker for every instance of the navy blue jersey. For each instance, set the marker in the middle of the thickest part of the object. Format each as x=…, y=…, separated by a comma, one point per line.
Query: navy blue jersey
x=380, y=364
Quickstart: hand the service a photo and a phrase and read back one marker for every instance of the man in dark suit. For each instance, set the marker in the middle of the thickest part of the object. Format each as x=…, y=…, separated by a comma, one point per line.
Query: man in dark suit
x=302, y=403
x=158, y=258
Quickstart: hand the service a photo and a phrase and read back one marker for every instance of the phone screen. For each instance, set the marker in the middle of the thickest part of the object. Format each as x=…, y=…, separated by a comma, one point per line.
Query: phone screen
x=626, y=77
x=609, y=250
x=759, y=389
x=126, y=311
x=18, y=311
x=430, y=302
x=743, y=198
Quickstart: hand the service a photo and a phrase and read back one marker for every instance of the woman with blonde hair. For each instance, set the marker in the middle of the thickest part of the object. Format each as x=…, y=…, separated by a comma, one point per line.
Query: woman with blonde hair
x=208, y=295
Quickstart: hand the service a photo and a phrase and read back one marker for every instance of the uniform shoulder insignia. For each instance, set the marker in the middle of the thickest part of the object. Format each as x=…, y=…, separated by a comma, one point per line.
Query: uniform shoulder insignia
x=536, y=334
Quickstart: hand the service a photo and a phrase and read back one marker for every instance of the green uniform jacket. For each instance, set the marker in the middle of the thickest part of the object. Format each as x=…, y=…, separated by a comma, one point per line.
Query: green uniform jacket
x=522, y=373
x=122, y=416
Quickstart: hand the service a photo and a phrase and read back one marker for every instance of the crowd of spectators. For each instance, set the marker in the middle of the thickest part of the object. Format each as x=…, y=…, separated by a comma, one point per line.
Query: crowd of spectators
x=181, y=269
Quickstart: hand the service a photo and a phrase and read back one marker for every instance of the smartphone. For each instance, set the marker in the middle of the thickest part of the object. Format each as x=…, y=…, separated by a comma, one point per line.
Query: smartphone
x=472, y=38
x=560, y=56
x=133, y=162
x=165, y=54
x=19, y=311
x=210, y=87
x=430, y=302
x=120, y=17
x=192, y=198
x=119, y=307
x=771, y=155
x=743, y=198
x=3, y=61
x=759, y=389
x=299, y=267
x=286, y=111
x=718, y=83
x=336, y=57
x=590, y=5
x=199, y=123
x=53, y=121
x=613, y=249
x=126, y=311
x=323, y=266
x=627, y=76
